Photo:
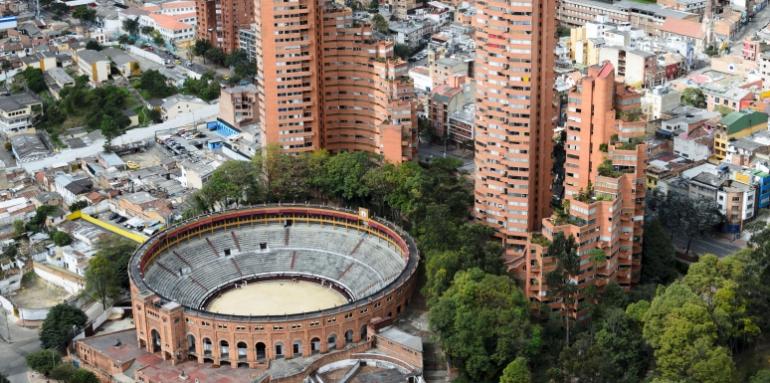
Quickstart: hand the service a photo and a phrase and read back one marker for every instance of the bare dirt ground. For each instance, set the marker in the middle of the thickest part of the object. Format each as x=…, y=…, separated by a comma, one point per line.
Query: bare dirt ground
x=277, y=298
x=36, y=293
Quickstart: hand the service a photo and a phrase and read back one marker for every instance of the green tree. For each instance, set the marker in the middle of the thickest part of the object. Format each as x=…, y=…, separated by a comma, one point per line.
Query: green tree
x=131, y=26
x=374, y=5
x=43, y=361
x=516, y=372
x=483, y=322
x=402, y=50
x=343, y=174
x=206, y=88
x=61, y=238
x=560, y=280
x=234, y=182
x=284, y=177
x=84, y=13
x=762, y=376
x=94, y=45
x=658, y=255
x=33, y=77
x=147, y=30
x=3, y=379
x=155, y=84
x=83, y=376
x=694, y=97
x=62, y=372
x=687, y=217
x=61, y=323
x=215, y=55
x=79, y=205
x=682, y=334
x=201, y=47
x=611, y=352
x=100, y=280
x=379, y=23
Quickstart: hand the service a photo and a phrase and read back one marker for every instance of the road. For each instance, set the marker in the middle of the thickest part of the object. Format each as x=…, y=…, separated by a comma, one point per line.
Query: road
x=716, y=245
x=23, y=342
x=201, y=115
x=760, y=20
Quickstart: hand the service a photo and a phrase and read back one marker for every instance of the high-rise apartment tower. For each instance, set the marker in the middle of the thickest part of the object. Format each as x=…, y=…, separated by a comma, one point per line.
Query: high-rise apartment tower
x=515, y=42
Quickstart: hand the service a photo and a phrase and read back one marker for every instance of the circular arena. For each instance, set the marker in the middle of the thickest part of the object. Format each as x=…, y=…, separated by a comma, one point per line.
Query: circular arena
x=248, y=286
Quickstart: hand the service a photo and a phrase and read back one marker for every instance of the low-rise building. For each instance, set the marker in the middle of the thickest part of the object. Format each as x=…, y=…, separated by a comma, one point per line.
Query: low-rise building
x=17, y=112
x=661, y=99
x=125, y=64
x=180, y=104
x=28, y=147
x=92, y=64
x=737, y=125
x=637, y=68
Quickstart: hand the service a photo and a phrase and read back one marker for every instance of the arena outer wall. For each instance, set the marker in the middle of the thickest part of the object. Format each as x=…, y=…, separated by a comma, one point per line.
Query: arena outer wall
x=182, y=330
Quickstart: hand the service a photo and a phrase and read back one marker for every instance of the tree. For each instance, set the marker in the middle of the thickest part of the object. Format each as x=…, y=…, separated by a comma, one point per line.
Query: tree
x=682, y=334
x=687, y=217
x=516, y=372
x=83, y=376
x=94, y=45
x=61, y=323
x=155, y=84
x=131, y=26
x=206, y=88
x=234, y=182
x=560, y=280
x=78, y=205
x=107, y=272
x=61, y=238
x=62, y=372
x=658, y=255
x=611, y=352
x=125, y=40
x=694, y=97
x=33, y=77
x=215, y=55
x=158, y=39
x=762, y=376
x=3, y=379
x=482, y=322
x=147, y=30
x=379, y=23
x=84, y=13
x=201, y=47
x=402, y=50
x=43, y=361
x=374, y=5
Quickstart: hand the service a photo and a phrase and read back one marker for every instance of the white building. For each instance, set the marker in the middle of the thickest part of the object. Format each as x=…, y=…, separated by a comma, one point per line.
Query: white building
x=93, y=64
x=17, y=112
x=659, y=100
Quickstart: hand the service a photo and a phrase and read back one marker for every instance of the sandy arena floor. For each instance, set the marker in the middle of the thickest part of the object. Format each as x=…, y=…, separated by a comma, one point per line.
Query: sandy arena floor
x=276, y=298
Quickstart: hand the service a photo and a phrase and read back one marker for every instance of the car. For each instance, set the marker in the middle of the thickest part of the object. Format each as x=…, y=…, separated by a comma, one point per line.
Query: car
x=114, y=216
x=132, y=165
x=122, y=219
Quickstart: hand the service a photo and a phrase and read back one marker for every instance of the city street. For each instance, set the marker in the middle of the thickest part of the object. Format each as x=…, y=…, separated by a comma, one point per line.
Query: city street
x=711, y=244
x=23, y=341
x=760, y=20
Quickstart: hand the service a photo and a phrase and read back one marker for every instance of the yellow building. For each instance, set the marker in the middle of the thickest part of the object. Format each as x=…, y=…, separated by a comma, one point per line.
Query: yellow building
x=737, y=125
x=582, y=49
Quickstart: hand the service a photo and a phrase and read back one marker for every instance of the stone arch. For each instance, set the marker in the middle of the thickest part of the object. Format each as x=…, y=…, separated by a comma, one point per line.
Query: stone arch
x=261, y=351
x=279, y=351
x=224, y=349
x=155, y=344
x=207, y=346
x=331, y=342
x=191, y=346
x=243, y=350
x=363, y=331
x=349, y=336
x=296, y=348
x=315, y=345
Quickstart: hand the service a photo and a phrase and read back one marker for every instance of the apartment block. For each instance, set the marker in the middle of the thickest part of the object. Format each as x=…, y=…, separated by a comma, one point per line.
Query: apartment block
x=325, y=81
x=514, y=115
x=219, y=21
x=93, y=64
x=603, y=207
x=17, y=112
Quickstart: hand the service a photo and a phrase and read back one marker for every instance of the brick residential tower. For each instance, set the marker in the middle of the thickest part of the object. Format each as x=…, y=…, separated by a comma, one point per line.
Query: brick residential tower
x=515, y=42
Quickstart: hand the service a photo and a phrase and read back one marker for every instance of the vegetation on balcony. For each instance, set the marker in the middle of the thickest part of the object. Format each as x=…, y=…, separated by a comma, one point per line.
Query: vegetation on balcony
x=541, y=240
x=603, y=148
x=629, y=115
x=606, y=169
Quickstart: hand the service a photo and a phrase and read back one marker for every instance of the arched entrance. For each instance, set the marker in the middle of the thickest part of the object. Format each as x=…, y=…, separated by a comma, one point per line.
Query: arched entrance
x=296, y=348
x=363, y=332
x=224, y=349
x=155, y=341
x=315, y=346
x=331, y=342
x=278, y=350
x=190, y=344
x=261, y=353
x=242, y=351
x=206, y=347
x=348, y=336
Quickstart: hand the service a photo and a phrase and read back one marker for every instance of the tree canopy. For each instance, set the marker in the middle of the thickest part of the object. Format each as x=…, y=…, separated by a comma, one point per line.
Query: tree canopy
x=43, y=361
x=84, y=13
x=155, y=85
x=60, y=325
x=694, y=97
x=33, y=77
x=483, y=322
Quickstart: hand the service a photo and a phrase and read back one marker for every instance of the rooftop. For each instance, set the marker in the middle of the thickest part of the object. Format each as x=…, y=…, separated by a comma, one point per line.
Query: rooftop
x=18, y=101
x=91, y=56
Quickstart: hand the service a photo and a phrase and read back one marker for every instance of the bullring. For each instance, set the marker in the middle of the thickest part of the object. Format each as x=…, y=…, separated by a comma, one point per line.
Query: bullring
x=367, y=263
